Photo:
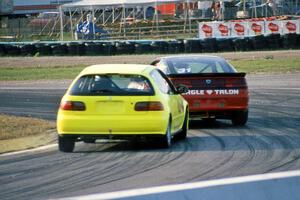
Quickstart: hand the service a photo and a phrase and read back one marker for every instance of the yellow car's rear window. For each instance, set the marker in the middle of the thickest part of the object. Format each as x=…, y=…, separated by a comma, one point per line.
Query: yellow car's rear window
x=112, y=85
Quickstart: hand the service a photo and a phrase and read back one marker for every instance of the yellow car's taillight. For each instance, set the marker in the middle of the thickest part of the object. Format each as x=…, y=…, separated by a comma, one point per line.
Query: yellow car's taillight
x=149, y=106
x=72, y=105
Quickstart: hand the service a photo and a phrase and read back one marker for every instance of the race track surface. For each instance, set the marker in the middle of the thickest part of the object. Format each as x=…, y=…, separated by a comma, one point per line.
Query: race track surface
x=269, y=143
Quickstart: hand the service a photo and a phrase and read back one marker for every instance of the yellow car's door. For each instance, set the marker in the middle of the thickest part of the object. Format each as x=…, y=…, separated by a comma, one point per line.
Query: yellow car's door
x=175, y=101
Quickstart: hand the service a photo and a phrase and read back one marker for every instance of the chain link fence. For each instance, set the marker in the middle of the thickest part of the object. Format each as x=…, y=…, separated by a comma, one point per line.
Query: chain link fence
x=176, y=27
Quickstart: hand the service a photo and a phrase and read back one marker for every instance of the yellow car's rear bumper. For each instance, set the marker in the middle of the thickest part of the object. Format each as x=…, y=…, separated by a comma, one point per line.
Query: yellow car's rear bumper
x=112, y=125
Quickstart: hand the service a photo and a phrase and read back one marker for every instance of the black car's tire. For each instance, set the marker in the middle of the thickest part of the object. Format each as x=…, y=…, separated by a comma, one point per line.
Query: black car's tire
x=166, y=140
x=239, y=118
x=66, y=144
x=183, y=133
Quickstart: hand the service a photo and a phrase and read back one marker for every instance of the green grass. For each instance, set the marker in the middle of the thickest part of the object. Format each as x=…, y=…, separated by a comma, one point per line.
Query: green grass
x=267, y=65
x=39, y=73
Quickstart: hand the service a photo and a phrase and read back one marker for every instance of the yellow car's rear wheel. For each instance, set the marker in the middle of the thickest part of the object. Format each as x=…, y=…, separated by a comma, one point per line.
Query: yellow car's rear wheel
x=66, y=144
x=166, y=140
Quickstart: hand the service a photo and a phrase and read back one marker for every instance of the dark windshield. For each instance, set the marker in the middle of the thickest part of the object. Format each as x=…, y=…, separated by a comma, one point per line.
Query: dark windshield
x=112, y=85
x=195, y=65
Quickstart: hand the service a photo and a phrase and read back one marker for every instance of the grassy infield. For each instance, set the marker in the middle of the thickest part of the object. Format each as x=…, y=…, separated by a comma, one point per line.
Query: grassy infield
x=266, y=65
x=12, y=128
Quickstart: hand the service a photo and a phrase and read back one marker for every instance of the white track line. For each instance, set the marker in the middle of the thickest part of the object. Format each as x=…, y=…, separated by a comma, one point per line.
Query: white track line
x=187, y=186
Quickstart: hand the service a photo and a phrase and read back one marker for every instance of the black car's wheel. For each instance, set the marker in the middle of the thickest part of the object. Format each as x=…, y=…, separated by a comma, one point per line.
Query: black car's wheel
x=239, y=118
x=183, y=133
x=66, y=144
x=166, y=140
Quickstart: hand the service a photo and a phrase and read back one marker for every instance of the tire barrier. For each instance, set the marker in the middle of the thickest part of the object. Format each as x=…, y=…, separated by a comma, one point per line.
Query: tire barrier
x=291, y=41
x=12, y=50
x=108, y=48
x=2, y=50
x=159, y=47
x=175, y=46
x=274, y=41
x=192, y=46
x=75, y=48
x=225, y=45
x=259, y=42
x=93, y=49
x=59, y=49
x=28, y=50
x=43, y=49
x=241, y=44
x=121, y=48
x=208, y=45
x=143, y=48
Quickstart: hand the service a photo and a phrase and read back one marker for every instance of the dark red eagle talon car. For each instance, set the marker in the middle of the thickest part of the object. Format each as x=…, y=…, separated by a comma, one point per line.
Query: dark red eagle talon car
x=216, y=89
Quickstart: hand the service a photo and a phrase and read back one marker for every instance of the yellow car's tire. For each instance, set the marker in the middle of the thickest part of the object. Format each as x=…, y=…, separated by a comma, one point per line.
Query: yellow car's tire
x=66, y=144
x=183, y=133
x=166, y=140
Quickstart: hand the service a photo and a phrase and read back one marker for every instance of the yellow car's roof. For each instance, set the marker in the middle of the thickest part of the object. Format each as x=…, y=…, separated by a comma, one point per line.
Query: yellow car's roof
x=117, y=68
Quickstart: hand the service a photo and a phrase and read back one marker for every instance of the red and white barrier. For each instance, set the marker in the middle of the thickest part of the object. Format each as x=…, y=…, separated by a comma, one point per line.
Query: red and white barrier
x=221, y=29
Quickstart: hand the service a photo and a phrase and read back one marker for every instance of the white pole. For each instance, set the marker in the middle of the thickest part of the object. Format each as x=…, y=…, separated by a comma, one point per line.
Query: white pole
x=189, y=17
x=71, y=24
x=61, y=24
x=93, y=21
x=255, y=11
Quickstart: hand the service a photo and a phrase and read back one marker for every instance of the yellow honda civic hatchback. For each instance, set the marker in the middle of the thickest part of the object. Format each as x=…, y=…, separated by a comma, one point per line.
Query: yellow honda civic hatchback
x=121, y=101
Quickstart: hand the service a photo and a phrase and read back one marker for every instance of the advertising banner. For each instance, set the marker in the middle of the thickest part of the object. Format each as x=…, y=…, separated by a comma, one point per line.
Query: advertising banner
x=273, y=27
x=222, y=29
x=290, y=26
x=214, y=30
x=239, y=29
x=256, y=28
x=206, y=30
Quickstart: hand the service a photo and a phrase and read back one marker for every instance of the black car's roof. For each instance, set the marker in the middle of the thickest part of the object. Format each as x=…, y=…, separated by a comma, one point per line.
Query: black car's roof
x=191, y=56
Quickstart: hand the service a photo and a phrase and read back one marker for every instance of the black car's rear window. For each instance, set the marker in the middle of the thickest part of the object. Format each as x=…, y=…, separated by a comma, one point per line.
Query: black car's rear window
x=195, y=65
x=112, y=85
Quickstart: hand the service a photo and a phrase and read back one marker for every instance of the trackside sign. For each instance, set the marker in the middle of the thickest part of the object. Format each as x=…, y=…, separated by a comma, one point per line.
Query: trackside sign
x=247, y=28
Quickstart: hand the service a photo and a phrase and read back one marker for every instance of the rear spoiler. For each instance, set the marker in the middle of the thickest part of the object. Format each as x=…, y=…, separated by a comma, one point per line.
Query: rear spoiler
x=239, y=74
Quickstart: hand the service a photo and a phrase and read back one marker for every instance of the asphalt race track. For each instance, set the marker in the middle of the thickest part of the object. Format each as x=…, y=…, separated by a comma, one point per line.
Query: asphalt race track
x=269, y=143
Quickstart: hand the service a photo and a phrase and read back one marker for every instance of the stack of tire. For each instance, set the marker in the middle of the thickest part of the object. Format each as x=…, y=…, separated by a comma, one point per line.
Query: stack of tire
x=124, y=48
x=75, y=48
x=27, y=49
x=274, y=41
x=93, y=48
x=291, y=41
x=210, y=45
x=108, y=49
x=12, y=49
x=143, y=48
x=159, y=47
x=225, y=44
x=43, y=49
x=192, y=46
x=176, y=46
x=2, y=50
x=259, y=42
x=59, y=49
x=242, y=44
